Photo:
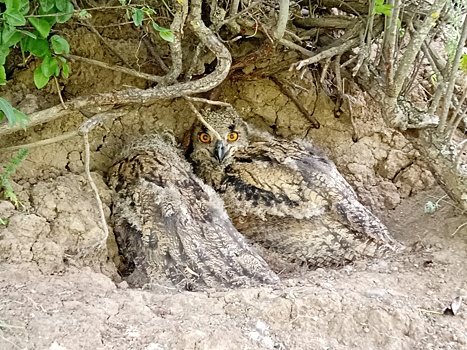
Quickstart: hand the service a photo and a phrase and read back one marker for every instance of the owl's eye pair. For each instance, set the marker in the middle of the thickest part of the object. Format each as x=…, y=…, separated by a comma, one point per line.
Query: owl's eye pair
x=206, y=138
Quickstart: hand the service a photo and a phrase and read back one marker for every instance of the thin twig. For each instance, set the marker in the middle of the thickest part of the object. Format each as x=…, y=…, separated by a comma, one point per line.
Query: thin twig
x=204, y=100
x=458, y=228
x=154, y=53
x=49, y=141
x=456, y=117
x=452, y=78
x=101, y=38
x=59, y=93
x=9, y=341
x=87, y=160
x=324, y=71
x=456, y=124
x=135, y=73
x=333, y=51
x=430, y=312
x=289, y=93
x=295, y=47
x=241, y=13
x=202, y=120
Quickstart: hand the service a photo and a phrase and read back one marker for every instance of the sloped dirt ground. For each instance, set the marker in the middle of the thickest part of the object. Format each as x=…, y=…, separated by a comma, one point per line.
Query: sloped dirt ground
x=386, y=304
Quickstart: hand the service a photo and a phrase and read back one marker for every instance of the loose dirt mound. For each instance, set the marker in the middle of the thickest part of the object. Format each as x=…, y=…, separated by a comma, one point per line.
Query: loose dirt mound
x=391, y=304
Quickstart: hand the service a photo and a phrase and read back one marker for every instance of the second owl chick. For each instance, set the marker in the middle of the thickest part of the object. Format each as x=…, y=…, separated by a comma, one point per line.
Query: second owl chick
x=285, y=195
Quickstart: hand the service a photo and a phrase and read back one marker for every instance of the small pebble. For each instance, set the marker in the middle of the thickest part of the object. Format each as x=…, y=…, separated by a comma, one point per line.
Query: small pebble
x=123, y=285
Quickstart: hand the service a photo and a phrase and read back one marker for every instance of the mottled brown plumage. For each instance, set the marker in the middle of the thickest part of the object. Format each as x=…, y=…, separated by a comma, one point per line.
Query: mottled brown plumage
x=172, y=228
x=286, y=195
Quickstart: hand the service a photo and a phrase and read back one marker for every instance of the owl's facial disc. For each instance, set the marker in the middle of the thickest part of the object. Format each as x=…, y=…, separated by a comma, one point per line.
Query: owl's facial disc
x=219, y=149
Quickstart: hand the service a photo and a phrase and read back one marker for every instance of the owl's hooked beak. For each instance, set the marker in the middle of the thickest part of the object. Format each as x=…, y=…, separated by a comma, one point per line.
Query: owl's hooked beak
x=220, y=150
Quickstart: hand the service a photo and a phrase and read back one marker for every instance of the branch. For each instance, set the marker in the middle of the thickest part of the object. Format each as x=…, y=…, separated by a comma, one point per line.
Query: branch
x=135, y=73
x=333, y=51
x=389, y=43
x=440, y=86
x=134, y=95
x=282, y=20
x=452, y=78
x=234, y=7
x=176, y=47
x=334, y=22
x=406, y=61
x=235, y=15
x=289, y=93
x=456, y=117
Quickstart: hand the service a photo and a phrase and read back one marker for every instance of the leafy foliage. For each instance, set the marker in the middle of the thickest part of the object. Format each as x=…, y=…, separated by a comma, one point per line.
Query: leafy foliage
x=5, y=180
x=19, y=13
x=138, y=15
x=381, y=8
x=13, y=115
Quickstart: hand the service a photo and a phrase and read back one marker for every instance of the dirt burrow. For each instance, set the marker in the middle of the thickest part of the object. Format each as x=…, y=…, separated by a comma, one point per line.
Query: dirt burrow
x=59, y=303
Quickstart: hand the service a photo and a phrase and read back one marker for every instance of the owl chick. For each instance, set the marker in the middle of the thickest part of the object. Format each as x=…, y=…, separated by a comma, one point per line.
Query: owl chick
x=285, y=195
x=172, y=228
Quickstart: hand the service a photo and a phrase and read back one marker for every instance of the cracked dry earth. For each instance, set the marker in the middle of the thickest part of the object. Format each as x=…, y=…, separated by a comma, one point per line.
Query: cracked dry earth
x=394, y=304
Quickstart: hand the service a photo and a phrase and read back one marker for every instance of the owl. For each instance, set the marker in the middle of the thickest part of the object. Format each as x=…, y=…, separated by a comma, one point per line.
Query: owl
x=171, y=228
x=287, y=196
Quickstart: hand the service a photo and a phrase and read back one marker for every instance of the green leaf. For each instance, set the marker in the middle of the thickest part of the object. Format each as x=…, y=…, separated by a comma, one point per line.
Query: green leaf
x=138, y=16
x=42, y=26
x=24, y=8
x=12, y=5
x=48, y=66
x=7, y=109
x=15, y=18
x=20, y=118
x=47, y=5
x=158, y=27
x=10, y=36
x=84, y=14
x=69, y=13
x=463, y=63
x=65, y=68
x=38, y=47
x=381, y=9
x=61, y=5
x=7, y=33
x=2, y=76
x=59, y=44
x=40, y=79
x=4, y=52
x=167, y=35
x=29, y=34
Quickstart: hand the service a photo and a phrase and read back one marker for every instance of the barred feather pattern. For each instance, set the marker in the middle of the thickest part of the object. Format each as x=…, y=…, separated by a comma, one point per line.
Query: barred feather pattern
x=289, y=196
x=171, y=228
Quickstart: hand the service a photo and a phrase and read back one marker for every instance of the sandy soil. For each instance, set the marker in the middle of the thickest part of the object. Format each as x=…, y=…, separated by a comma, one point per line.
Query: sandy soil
x=387, y=304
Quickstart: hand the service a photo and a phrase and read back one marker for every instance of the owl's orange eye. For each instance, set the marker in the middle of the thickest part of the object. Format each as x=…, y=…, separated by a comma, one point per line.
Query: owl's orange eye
x=233, y=136
x=204, y=137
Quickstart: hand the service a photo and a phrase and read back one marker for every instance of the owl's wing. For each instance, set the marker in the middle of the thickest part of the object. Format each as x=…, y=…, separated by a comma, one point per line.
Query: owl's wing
x=295, y=179
x=170, y=226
